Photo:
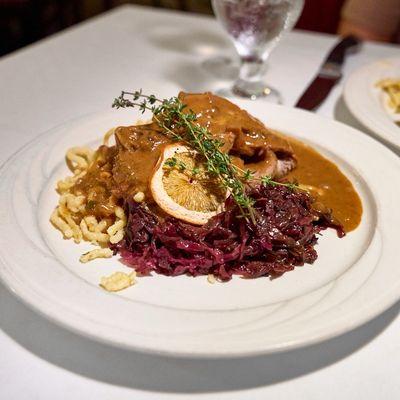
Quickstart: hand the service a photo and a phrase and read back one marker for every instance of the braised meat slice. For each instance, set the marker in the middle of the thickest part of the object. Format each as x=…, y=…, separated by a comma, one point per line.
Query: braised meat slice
x=138, y=149
x=246, y=138
x=262, y=150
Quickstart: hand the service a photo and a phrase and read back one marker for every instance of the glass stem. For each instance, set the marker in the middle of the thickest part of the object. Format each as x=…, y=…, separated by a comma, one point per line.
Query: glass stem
x=250, y=81
x=251, y=70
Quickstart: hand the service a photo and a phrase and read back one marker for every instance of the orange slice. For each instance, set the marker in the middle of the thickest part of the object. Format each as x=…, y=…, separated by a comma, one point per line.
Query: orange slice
x=182, y=187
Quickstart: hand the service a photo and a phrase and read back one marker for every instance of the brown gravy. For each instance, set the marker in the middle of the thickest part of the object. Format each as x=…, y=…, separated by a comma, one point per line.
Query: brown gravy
x=122, y=170
x=335, y=192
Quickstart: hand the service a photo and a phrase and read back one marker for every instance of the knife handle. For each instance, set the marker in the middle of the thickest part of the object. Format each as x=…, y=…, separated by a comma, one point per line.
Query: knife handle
x=339, y=52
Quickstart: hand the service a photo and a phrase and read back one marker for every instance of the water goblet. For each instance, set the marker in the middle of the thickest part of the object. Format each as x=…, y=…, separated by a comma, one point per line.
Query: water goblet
x=255, y=27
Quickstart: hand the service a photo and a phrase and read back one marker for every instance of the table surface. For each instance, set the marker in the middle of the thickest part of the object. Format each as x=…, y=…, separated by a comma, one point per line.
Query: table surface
x=77, y=72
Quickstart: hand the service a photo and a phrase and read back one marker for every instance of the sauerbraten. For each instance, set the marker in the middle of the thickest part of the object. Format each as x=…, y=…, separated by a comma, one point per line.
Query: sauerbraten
x=145, y=196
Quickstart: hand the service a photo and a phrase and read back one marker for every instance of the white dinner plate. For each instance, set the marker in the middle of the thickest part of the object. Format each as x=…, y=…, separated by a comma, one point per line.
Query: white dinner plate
x=353, y=280
x=366, y=101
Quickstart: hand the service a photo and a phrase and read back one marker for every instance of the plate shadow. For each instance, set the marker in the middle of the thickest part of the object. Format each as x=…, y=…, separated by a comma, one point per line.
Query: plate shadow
x=147, y=372
x=195, y=42
x=210, y=57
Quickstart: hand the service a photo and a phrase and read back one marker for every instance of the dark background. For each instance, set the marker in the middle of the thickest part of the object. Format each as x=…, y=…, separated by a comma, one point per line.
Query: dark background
x=26, y=21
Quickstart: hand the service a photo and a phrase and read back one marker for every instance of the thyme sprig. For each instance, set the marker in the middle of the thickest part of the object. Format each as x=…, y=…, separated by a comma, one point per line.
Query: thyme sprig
x=179, y=123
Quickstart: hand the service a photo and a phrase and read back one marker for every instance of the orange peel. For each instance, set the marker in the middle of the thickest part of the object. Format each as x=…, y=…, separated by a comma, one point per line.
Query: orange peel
x=183, y=188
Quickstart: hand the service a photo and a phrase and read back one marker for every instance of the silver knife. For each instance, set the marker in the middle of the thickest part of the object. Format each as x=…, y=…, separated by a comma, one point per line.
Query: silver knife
x=328, y=75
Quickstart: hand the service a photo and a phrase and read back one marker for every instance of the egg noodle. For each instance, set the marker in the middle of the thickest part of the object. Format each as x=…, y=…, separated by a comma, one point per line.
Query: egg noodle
x=69, y=216
x=392, y=88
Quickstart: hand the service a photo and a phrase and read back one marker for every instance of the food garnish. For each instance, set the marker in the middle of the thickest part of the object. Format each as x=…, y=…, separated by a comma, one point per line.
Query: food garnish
x=183, y=188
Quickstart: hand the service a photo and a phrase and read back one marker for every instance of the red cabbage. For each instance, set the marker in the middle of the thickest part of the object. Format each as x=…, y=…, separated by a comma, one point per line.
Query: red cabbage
x=284, y=237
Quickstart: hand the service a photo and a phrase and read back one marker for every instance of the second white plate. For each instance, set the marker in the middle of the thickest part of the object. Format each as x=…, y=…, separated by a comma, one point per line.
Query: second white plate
x=365, y=102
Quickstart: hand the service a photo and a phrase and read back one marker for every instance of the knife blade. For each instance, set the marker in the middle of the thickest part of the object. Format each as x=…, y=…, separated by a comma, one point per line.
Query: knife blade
x=328, y=75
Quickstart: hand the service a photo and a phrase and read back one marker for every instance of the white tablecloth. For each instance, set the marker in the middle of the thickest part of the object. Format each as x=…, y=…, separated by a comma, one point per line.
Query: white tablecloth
x=80, y=71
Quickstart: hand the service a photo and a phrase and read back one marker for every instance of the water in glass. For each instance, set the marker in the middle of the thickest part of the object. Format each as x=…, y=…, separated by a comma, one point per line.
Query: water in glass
x=255, y=26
